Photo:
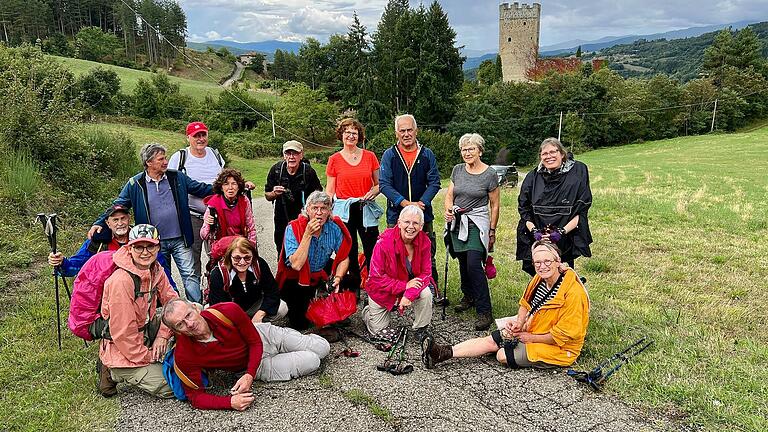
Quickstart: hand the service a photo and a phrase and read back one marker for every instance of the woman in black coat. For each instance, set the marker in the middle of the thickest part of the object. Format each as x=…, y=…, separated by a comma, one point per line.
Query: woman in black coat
x=554, y=204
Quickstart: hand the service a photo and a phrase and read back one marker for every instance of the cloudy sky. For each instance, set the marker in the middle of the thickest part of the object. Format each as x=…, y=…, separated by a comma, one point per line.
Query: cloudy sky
x=475, y=21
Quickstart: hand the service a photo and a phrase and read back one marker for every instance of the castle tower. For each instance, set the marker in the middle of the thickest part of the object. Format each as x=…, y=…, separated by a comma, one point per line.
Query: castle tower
x=518, y=39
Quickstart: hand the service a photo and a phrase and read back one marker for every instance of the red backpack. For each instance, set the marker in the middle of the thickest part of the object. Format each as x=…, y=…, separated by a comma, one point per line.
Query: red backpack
x=88, y=288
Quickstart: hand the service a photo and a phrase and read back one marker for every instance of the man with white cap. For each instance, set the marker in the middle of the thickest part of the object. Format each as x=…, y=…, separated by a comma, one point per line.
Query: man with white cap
x=289, y=183
x=135, y=343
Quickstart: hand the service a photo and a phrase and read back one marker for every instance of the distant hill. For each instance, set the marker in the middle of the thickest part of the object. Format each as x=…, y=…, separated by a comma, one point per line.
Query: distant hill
x=679, y=58
x=203, y=46
x=268, y=47
x=610, y=41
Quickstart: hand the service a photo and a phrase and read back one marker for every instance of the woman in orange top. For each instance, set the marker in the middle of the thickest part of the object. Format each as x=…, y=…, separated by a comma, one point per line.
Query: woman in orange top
x=548, y=330
x=354, y=173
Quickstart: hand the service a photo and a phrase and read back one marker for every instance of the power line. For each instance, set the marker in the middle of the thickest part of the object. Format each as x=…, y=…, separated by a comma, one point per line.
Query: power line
x=188, y=58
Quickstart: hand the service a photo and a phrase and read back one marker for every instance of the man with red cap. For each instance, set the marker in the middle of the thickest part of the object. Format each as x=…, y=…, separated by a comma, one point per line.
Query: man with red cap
x=201, y=163
x=135, y=343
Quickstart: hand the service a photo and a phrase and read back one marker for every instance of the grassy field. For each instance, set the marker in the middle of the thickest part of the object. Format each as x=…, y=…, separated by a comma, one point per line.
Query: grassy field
x=679, y=256
x=197, y=85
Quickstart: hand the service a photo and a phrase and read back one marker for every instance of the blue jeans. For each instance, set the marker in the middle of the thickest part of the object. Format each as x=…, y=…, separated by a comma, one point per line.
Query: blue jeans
x=185, y=261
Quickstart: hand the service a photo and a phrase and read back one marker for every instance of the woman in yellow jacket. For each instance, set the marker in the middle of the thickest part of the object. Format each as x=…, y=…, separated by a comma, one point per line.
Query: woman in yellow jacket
x=548, y=330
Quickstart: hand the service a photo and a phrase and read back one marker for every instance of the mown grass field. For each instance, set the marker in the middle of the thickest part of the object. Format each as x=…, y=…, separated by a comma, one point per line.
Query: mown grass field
x=197, y=86
x=679, y=256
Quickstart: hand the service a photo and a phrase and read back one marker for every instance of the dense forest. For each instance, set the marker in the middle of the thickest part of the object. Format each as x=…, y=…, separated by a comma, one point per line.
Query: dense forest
x=110, y=30
x=681, y=59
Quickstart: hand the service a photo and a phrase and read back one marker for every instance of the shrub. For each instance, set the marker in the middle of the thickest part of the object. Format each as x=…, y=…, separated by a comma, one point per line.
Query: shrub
x=98, y=90
x=21, y=179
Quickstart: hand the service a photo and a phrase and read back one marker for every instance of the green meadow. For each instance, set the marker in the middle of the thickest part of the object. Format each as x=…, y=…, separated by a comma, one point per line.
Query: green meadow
x=679, y=257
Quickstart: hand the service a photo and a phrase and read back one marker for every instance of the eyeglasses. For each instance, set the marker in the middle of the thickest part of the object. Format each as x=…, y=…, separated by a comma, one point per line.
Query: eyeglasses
x=350, y=133
x=245, y=258
x=549, y=153
x=142, y=249
x=545, y=263
x=469, y=149
x=317, y=209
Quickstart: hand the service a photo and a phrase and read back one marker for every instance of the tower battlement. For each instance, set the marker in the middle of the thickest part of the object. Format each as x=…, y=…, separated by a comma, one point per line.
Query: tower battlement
x=518, y=39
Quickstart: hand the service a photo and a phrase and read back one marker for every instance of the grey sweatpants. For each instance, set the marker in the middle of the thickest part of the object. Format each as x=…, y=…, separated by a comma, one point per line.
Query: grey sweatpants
x=376, y=318
x=288, y=353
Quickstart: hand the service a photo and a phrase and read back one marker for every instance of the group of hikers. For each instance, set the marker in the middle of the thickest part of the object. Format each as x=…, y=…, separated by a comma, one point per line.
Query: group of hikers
x=191, y=204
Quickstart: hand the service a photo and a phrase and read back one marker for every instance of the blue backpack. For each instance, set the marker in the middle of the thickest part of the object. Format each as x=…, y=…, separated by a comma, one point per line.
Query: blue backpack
x=175, y=377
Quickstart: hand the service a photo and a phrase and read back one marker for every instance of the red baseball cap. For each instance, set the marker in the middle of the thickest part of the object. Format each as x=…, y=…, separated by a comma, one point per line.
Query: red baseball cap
x=196, y=127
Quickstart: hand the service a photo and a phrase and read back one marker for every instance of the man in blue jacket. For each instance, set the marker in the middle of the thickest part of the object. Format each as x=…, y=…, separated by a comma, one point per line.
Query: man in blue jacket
x=158, y=197
x=119, y=223
x=409, y=175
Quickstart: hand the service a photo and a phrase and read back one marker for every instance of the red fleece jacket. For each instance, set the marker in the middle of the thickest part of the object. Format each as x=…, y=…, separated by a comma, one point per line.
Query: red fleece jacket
x=235, y=348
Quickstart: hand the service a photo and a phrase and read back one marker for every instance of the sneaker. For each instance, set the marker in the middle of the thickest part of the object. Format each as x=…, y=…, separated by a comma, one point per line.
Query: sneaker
x=432, y=353
x=464, y=305
x=483, y=322
x=107, y=387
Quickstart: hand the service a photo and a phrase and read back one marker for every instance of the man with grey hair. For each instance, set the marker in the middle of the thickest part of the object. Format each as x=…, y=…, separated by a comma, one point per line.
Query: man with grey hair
x=159, y=197
x=289, y=183
x=264, y=351
x=305, y=260
x=409, y=175
x=400, y=275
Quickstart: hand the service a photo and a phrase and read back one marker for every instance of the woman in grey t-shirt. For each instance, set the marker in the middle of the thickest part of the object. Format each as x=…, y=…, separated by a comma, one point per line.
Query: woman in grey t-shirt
x=472, y=207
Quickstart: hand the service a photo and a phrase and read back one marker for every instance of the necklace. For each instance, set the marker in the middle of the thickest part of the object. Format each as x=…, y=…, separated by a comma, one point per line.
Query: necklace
x=354, y=155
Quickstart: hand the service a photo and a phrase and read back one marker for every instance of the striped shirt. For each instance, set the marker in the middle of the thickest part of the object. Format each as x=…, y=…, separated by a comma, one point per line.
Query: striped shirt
x=320, y=248
x=541, y=290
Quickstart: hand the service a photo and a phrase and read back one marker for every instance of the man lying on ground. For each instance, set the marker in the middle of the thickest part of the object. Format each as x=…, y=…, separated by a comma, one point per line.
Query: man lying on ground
x=548, y=330
x=223, y=337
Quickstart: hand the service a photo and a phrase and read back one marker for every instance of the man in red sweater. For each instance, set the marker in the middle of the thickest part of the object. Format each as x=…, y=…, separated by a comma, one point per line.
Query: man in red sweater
x=223, y=337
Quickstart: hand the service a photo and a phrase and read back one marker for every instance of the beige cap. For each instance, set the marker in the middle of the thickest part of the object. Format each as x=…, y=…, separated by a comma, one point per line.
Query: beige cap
x=293, y=145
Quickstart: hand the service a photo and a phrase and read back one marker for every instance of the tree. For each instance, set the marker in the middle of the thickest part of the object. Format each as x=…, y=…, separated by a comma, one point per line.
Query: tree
x=578, y=52
x=486, y=73
x=98, y=89
x=740, y=52
x=93, y=44
x=307, y=113
x=257, y=63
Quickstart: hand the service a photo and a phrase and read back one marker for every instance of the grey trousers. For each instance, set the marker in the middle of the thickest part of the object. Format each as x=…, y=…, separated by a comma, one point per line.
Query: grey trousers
x=376, y=318
x=288, y=353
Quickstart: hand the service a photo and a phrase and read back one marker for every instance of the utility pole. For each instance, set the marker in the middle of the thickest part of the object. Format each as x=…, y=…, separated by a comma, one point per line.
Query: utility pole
x=714, y=113
x=273, y=124
x=560, y=128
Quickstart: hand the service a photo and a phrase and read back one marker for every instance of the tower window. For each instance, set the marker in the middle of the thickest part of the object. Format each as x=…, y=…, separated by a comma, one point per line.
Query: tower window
x=509, y=39
x=523, y=22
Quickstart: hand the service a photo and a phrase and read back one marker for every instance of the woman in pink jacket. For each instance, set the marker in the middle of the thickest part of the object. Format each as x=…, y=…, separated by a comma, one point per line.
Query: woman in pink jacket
x=233, y=208
x=400, y=275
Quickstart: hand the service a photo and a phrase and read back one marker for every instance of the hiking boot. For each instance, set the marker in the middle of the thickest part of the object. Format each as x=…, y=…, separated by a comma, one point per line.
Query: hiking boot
x=107, y=387
x=483, y=322
x=464, y=305
x=433, y=353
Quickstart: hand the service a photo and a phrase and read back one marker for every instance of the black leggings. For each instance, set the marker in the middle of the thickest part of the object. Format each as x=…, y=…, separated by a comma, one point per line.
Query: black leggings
x=474, y=284
x=297, y=299
x=368, y=237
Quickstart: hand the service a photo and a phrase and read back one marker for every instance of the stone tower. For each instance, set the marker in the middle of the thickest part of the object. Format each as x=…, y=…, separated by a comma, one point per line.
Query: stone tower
x=518, y=39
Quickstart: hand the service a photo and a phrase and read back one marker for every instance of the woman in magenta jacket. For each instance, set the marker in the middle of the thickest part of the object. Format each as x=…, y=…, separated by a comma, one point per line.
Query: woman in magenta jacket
x=400, y=274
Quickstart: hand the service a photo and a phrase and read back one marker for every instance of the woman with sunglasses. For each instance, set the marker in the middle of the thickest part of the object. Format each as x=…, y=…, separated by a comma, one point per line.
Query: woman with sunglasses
x=548, y=330
x=245, y=278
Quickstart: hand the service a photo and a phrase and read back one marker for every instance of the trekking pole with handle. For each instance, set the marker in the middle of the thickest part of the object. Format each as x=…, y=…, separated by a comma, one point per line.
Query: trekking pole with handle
x=49, y=228
x=446, y=233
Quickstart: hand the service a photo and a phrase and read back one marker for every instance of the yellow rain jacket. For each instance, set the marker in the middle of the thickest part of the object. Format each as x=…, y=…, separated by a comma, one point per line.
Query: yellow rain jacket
x=566, y=317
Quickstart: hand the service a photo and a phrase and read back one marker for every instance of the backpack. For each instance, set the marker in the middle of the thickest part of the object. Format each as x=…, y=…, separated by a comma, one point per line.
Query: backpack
x=183, y=159
x=88, y=289
x=175, y=377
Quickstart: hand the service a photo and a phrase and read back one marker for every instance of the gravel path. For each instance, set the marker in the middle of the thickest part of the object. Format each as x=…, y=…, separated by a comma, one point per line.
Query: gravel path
x=350, y=394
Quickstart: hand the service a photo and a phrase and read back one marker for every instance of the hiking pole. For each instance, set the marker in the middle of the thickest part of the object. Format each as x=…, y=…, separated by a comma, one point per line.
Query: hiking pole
x=446, y=233
x=595, y=378
x=49, y=228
